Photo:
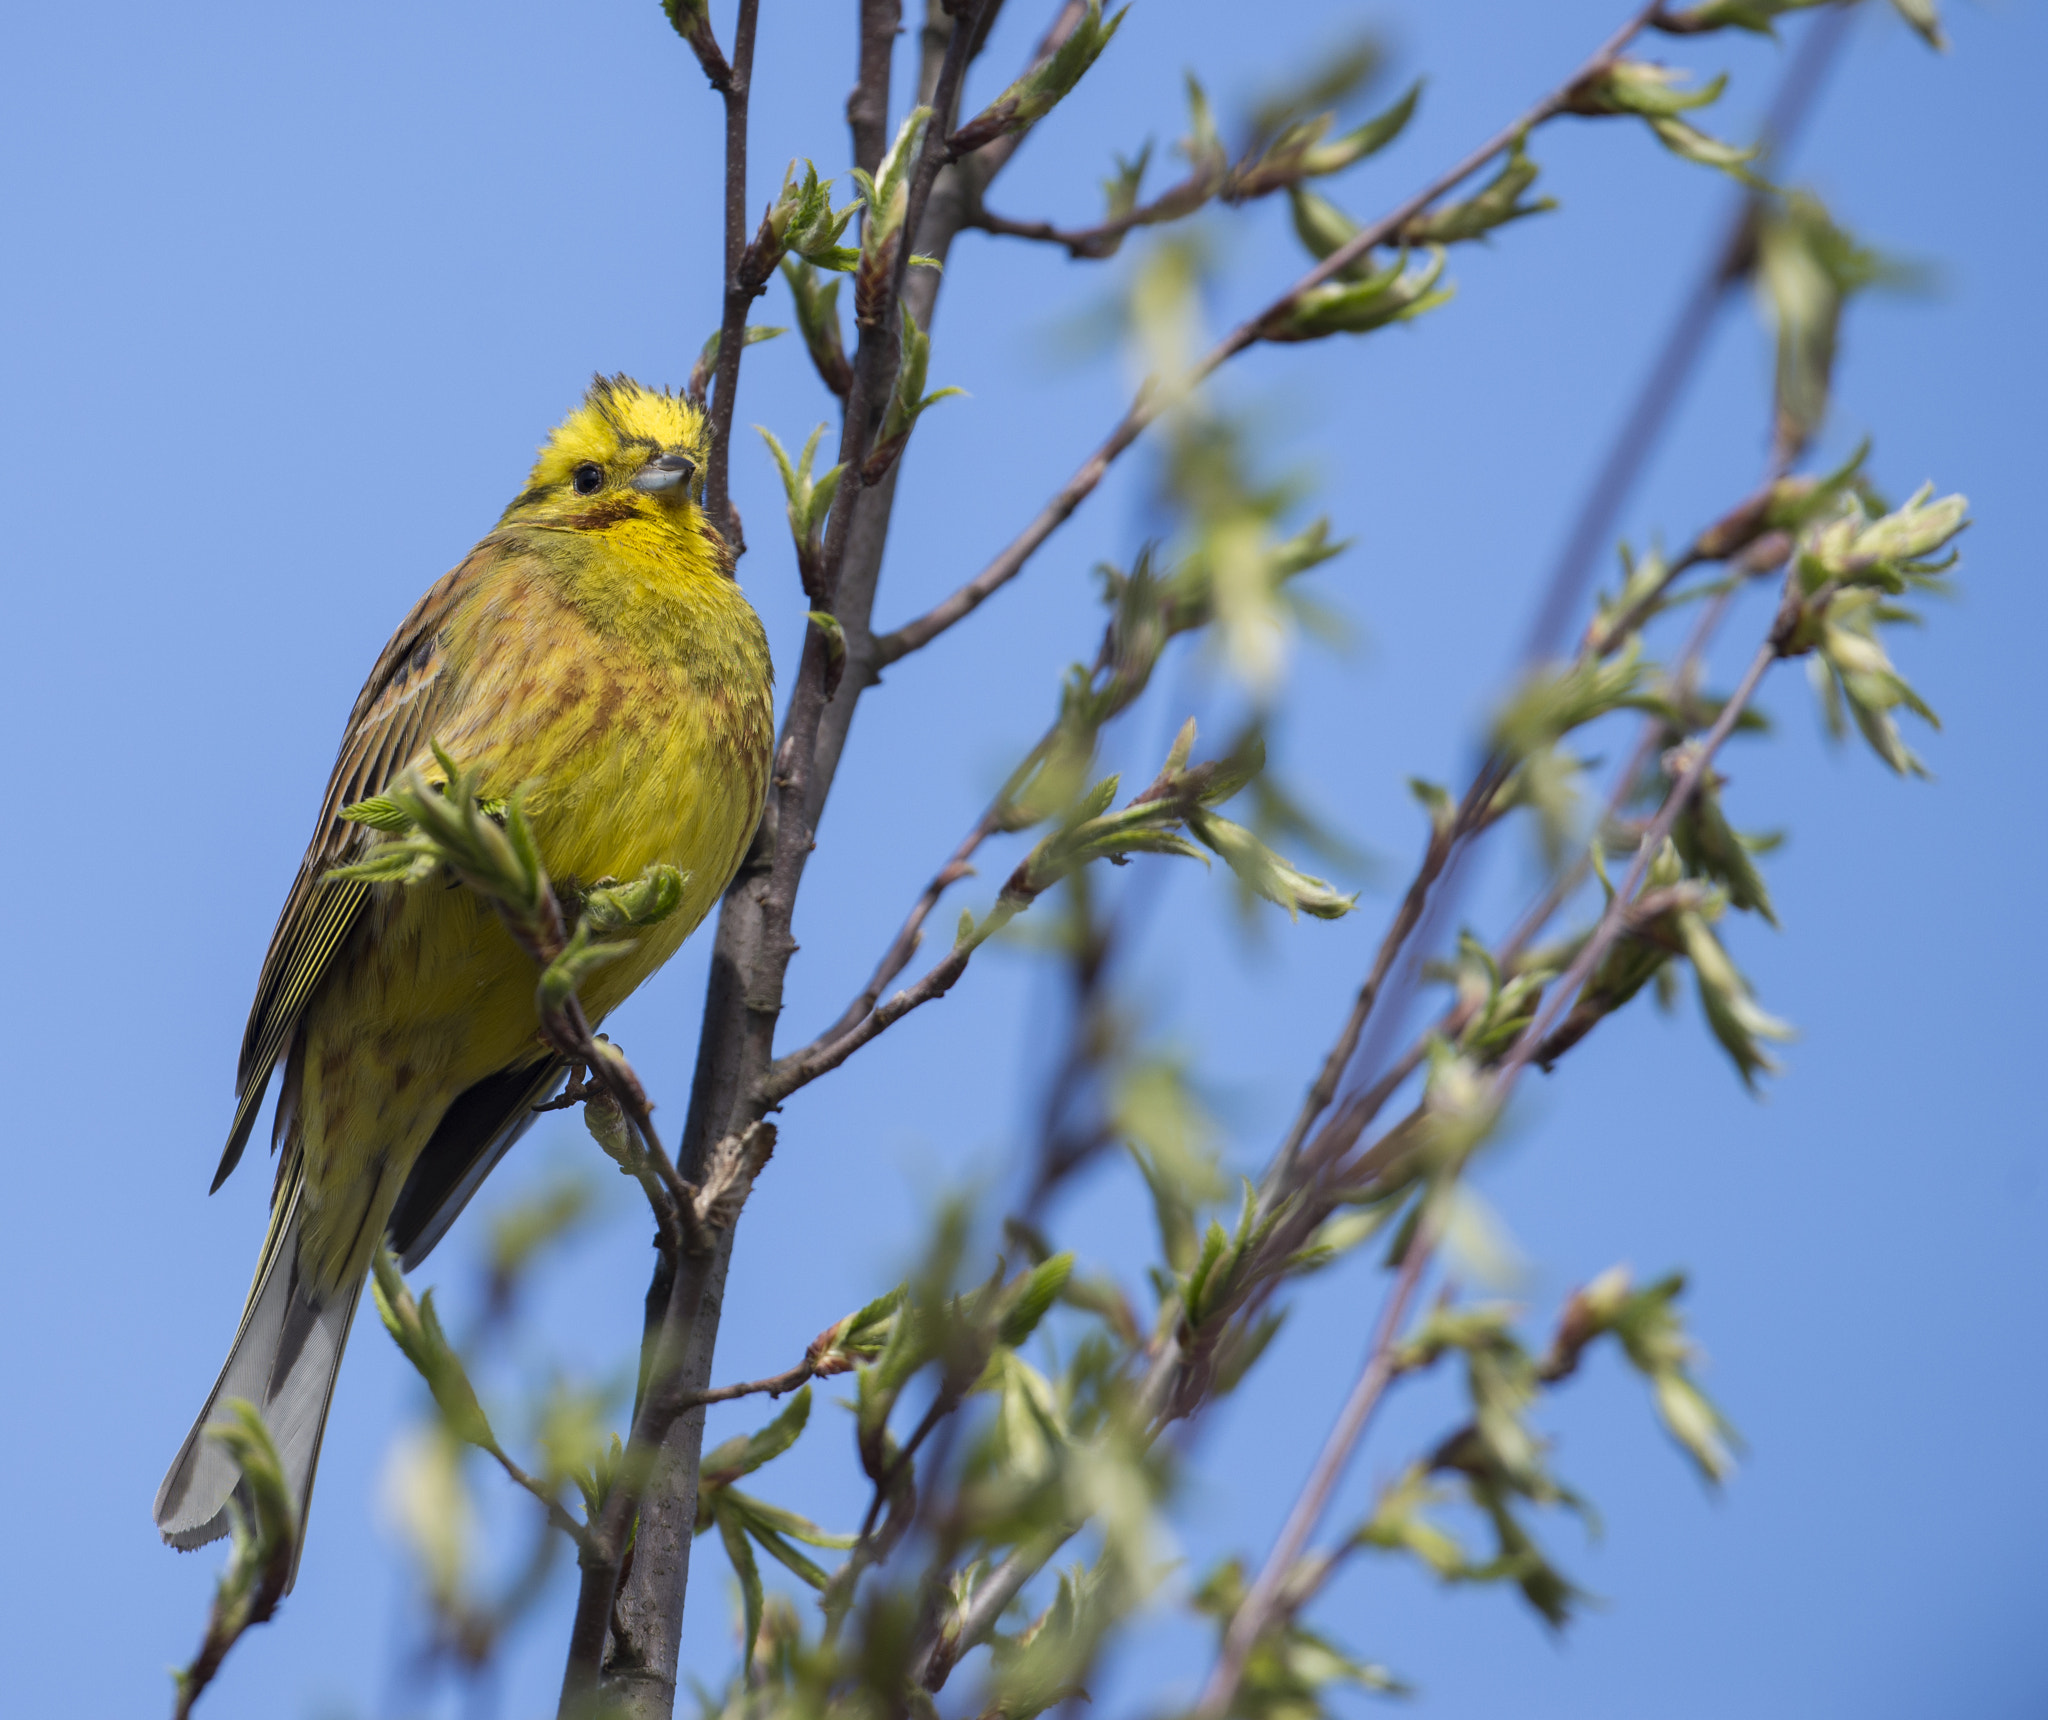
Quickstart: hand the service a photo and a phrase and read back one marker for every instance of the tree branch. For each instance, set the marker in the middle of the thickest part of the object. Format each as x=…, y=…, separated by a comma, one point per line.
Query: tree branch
x=867, y=108
x=750, y=956
x=1263, y=1605
x=739, y=291
x=1150, y=400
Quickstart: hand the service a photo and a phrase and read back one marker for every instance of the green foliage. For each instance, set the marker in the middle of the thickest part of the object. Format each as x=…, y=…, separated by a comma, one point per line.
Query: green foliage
x=1496, y=203
x=1010, y=1411
x=817, y=315
x=745, y=1522
x=416, y=1329
x=1851, y=567
x=810, y=501
x=1041, y=89
x=1303, y=149
x=886, y=194
x=907, y=398
x=263, y=1520
x=1292, y=1672
x=802, y=223
x=1171, y=816
x=1807, y=271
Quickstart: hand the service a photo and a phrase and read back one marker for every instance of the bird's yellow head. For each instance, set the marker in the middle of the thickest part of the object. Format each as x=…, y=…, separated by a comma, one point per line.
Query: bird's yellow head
x=627, y=453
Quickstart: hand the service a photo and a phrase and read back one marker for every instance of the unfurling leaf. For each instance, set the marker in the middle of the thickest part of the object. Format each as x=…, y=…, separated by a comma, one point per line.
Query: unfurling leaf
x=887, y=195
x=1691, y=144
x=809, y=502
x=744, y=1453
x=379, y=812
x=1494, y=204
x=1376, y=299
x=1265, y=873
x=1641, y=87
x=907, y=400
x=817, y=316
x=416, y=1329
x=1304, y=150
x=646, y=901
x=1043, y=87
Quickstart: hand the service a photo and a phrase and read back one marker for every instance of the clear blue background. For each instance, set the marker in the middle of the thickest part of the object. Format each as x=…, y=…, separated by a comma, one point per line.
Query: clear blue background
x=289, y=294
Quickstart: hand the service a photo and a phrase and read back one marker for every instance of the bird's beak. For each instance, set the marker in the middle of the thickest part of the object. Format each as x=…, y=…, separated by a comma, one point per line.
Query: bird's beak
x=665, y=473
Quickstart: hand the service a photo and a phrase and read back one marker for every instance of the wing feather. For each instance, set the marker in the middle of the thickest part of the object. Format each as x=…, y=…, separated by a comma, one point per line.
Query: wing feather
x=409, y=693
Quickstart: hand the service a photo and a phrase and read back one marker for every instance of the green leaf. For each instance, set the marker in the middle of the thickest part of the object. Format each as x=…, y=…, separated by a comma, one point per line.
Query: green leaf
x=1033, y=1295
x=1493, y=205
x=1304, y=149
x=1266, y=874
x=1925, y=19
x=748, y=1571
x=817, y=316
x=416, y=1329
x=1755, y=15
x=1691, y=144
x=646, y=901
x=1642, y=87
x=1043, y=87
x=747, y=1452
x=379, y=812
x=1375, y=300
x=1731, y=1011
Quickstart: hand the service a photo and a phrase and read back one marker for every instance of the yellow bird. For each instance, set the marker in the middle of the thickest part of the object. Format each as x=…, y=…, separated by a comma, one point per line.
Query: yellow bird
x=594, y=648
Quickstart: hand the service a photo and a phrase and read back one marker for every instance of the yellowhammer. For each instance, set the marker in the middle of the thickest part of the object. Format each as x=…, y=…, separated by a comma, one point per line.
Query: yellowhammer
x=595, y=649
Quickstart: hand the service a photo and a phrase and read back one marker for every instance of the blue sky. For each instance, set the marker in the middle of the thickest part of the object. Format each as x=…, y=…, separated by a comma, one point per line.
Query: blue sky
x=291, y=293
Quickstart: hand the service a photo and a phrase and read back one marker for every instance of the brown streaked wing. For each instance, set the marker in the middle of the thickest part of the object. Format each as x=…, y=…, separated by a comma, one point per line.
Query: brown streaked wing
x=395, y=715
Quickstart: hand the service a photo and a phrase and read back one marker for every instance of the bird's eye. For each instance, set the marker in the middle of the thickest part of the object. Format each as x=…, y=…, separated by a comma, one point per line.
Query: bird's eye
x=588, y=479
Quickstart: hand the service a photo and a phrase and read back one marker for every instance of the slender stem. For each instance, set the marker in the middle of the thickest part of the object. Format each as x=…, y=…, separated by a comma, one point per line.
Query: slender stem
x=1613, y=920
x=558, y=1515
x=1728, y=261
x=1648, y=740
x=1151, y=400
x=749, y=960
x=739, y=294
x=867, y=109
x=1260, y=1605
x=1656, y=403
x=910, y=934
x=875, y=359
x=1443, y=841
x=1267, y=1598
x=1103, y=239
x=775, y=1385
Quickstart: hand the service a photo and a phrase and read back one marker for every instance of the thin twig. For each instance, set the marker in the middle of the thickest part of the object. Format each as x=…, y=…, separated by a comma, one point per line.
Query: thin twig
x=558, y=1514
x=867, y=108
x=1091, y=244
x=1443, y=840
x=1611, y=923
x=775, y=1385
x=751, y=952
x=1262, y=1605
x=1151, y=400
x=739, y=291
x=800, y=1068
x=903, y=947
x=875, y=358
x=1249, y=1622
x=1655, y=404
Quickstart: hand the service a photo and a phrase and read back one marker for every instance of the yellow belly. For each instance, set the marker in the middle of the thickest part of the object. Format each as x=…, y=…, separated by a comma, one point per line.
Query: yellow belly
x=627, y=763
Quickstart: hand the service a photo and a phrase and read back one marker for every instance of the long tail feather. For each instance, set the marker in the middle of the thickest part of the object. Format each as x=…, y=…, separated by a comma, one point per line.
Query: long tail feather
x=284, y=1361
